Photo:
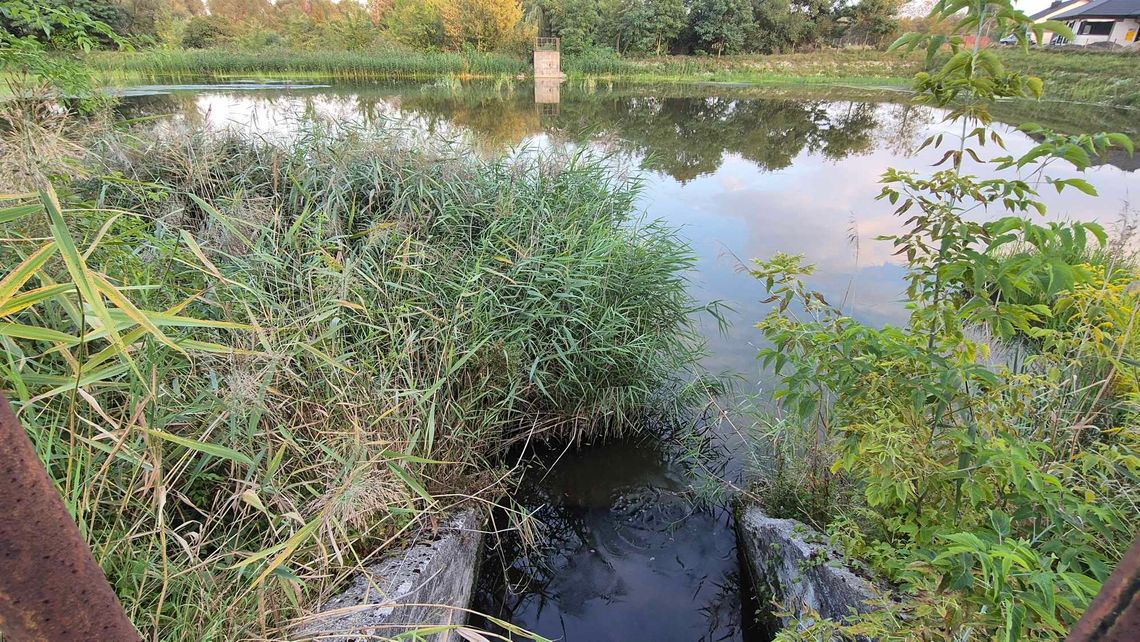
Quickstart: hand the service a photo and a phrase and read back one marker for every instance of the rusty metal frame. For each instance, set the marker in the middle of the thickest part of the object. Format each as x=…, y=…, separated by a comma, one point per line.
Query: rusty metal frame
x=51, y=588
x=544, y=43
x=1114, y=614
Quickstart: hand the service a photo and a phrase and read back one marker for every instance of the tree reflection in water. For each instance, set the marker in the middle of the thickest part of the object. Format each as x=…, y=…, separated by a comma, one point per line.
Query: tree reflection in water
x=683, y=132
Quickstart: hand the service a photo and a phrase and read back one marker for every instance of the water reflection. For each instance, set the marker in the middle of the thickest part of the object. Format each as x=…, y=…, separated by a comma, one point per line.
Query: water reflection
x=744, y=171
x=626, y=552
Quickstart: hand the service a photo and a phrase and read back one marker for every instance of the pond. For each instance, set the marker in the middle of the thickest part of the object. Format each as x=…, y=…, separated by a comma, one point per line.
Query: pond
x=629, y=546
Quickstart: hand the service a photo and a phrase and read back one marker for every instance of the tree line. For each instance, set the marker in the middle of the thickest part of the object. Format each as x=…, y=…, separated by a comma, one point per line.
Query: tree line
x=598, y=27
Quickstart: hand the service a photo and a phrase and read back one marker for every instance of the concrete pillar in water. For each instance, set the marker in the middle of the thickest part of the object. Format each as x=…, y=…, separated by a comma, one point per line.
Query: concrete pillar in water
x=548, y=75
x=547, y=58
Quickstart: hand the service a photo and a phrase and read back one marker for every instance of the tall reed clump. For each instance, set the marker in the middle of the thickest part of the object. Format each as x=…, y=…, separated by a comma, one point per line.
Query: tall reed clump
x=386, y=63
x=251, y=366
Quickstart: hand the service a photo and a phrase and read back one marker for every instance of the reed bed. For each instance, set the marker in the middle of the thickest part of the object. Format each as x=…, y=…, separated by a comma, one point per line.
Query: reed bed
x=252, y=366
x=347, y=65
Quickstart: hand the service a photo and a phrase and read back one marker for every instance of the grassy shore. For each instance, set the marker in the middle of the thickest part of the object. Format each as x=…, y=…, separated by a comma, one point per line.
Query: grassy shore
x=1073, y=75
x=294, y=352
x=1081, y=76
x=349, y=65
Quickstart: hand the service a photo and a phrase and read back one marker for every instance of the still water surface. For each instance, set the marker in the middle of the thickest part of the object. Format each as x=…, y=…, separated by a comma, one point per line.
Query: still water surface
x=627, y=551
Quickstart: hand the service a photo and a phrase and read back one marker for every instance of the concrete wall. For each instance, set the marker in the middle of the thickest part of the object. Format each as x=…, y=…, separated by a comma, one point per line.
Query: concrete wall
x=547, y=64
x=428, y=585
x=1119, y=35
x=547, y=91
x=793, y=564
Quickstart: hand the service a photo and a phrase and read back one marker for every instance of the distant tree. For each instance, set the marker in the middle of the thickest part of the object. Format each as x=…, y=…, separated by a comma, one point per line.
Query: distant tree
x=143, y=17
x=721, y=26
x=652, y=25
x=780, y=26
x=485, y=24
x=786, y=25
x=354, y=29
x=379, y=9
x=872, y=22
x=241, y=10
x=203, y=32
x=577, y=22
x=417, y=23
x=188, y=8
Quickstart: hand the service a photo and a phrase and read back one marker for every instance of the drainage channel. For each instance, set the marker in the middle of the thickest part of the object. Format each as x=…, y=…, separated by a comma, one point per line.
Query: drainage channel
x=625, y=548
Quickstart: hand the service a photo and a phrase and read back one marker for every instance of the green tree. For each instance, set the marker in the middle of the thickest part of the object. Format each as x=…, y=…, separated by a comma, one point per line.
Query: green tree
x=203, y=32
x=484, y=24
x=870, y=22
x=575, y=22
x=786, y=25
x=241, y=10
x=417, y=23
x=143, y=17
x=652, y=25
x=721, y=26
x=40, y=42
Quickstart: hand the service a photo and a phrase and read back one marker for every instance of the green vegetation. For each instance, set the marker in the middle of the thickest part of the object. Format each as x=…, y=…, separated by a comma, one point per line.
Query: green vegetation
x=804, y=41
x=221, y=63
x=983, y=458
x=250, y=367
x=1081, y=76
x=28, y=32
x=860, y=67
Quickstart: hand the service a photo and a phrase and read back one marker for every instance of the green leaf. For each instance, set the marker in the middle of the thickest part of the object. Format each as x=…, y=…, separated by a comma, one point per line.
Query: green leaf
x=1081, y=184
x=202, y=447
x=9, y=214
x=20, y=331
x=28, y=298
x=15, y=279
x=76, y=267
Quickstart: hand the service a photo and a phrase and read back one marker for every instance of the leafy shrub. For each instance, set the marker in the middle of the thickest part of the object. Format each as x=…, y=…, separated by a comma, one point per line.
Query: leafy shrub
x=994, y=490
x=203, y=32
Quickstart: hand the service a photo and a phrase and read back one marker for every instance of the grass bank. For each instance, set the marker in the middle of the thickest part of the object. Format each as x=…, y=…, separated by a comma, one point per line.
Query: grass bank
x=834, y=67
x=1073, y=75
x=287, y=354
x=349, y=65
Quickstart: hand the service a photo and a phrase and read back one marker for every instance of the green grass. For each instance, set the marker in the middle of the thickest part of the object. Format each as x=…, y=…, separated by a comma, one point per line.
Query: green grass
x=1079, y=76
x=859, y=67
x=1083, y=76
x=221, y=63
x=1071, y=75
x=375, y=320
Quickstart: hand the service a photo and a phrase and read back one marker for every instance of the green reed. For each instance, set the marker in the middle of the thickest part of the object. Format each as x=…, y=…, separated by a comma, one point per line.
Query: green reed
x=349, y=329
x=388, y=63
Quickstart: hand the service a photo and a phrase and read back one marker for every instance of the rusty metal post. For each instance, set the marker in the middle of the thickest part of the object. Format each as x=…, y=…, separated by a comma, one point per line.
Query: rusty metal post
x=1114, y=614
x=51, y=588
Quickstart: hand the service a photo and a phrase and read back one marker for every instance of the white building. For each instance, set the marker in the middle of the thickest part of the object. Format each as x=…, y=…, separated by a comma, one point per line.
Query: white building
x=1055, y=9
x=1111, y=21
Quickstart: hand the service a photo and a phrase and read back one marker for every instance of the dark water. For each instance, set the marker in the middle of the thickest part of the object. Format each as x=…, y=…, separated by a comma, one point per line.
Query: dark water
x=627, y=551
x=629, y=547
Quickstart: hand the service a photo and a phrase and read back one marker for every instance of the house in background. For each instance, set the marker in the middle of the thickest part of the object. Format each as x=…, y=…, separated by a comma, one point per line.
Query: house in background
x=1052, y=11
x=1103, y=21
